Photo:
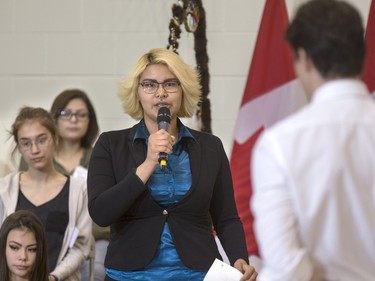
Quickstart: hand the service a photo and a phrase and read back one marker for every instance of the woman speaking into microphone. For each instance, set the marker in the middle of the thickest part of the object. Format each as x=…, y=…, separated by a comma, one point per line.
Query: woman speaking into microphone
x=162, y=217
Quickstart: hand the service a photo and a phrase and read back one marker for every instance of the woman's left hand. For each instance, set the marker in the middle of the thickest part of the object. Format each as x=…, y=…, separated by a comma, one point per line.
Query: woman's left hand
x=249, y=273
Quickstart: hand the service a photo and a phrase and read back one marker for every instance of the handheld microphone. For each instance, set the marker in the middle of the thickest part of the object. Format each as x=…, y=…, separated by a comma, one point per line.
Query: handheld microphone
x=164, y=120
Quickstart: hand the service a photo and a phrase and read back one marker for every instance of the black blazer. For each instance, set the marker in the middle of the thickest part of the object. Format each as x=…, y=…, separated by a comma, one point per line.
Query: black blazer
x=117, y=197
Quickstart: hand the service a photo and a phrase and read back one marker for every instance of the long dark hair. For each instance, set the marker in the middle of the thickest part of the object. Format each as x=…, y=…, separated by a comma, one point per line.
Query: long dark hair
x=61, y=102
x=24, y=219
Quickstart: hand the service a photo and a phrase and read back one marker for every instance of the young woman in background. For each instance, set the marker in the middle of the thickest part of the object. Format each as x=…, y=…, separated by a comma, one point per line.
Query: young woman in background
x=23, y=248
x=77, y=129
x=58, y=200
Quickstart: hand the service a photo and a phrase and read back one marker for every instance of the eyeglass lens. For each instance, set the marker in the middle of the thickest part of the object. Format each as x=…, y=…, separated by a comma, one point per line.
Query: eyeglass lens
x=67, y=114
x=41, y=142
x=151, y=86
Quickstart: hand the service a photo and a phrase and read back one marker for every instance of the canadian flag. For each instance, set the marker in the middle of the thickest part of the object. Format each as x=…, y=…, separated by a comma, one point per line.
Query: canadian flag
x=271, y=93
x=369, y=71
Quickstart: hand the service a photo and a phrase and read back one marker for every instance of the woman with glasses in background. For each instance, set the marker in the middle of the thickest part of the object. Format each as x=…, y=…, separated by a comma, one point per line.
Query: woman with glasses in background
x=58, y=200
x=162, y=216
x=77, y=129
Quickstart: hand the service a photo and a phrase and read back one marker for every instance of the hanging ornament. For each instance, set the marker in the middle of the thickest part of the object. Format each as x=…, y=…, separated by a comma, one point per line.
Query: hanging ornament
x=192, y=14
x=174, y=27
x=191, y=17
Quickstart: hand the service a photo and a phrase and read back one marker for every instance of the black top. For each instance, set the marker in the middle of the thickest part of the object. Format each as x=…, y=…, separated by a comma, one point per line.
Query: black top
x=117, y=197
x=54, y=215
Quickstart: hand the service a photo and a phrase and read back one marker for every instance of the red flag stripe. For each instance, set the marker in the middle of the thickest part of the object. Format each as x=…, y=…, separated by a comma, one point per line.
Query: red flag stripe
x=270, y=72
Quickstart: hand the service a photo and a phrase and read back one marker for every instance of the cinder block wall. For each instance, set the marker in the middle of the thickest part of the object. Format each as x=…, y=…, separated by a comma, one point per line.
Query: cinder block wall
x=47, y=46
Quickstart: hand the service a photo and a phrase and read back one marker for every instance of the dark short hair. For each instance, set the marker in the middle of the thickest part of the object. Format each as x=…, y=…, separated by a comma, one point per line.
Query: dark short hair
x=61, y=102
x=332, y=34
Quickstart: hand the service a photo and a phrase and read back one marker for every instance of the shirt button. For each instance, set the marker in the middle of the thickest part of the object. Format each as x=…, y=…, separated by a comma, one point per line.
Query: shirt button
x=165, y=212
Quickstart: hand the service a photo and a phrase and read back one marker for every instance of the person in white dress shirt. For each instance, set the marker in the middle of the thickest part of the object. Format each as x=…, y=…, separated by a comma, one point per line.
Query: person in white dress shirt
x=314, y=172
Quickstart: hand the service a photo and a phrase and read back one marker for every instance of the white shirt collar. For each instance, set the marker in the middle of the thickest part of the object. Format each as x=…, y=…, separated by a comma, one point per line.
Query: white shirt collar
x=341, y=88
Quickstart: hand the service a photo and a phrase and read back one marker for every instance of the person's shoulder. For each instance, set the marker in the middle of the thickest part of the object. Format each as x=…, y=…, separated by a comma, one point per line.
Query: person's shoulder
x=10, y=178
x=114, y=133
x=291, y=122
x=284, y=128
x=8, y=182
x=203, y=136
x=115, y=137
x=75, y=182
x=119, y=133
x=207, y=140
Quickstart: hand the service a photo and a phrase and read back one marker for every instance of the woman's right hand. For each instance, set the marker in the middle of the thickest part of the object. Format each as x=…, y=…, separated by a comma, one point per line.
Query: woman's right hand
x=159, y=141
x=52, y=278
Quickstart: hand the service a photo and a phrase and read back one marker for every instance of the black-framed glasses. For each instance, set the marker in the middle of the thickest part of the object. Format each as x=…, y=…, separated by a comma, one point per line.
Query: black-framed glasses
x=42, y=142
x=79, y=115
x=152, y=86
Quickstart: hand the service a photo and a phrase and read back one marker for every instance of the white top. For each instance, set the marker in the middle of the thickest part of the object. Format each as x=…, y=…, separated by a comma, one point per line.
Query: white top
x=314, y=189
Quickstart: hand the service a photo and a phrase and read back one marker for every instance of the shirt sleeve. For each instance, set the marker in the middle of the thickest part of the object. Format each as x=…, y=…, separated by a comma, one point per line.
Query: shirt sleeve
x=275, y=220
x=109, y=197
x=224, y=213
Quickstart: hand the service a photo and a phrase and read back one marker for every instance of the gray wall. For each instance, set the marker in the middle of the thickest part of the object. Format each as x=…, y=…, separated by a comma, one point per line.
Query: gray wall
x=47, y=46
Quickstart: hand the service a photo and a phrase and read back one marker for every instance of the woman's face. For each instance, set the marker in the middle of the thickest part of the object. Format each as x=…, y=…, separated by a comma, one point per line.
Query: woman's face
x=21, y=251
x=36, y=145
x=72, y=125
x=151, y=102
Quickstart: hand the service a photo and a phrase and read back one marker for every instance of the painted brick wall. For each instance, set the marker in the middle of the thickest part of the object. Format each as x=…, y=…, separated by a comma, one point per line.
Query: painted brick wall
x=47, y=46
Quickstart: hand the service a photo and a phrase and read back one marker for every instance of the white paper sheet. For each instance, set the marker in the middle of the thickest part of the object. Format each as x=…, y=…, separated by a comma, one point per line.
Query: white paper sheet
x=221, y=271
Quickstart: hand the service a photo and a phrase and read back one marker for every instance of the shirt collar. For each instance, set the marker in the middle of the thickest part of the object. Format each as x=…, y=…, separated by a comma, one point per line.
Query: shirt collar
x=341, y=89
x=142, y=132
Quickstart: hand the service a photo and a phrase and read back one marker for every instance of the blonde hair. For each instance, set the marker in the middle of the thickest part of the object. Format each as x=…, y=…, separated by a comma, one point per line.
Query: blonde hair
x=188, y=77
